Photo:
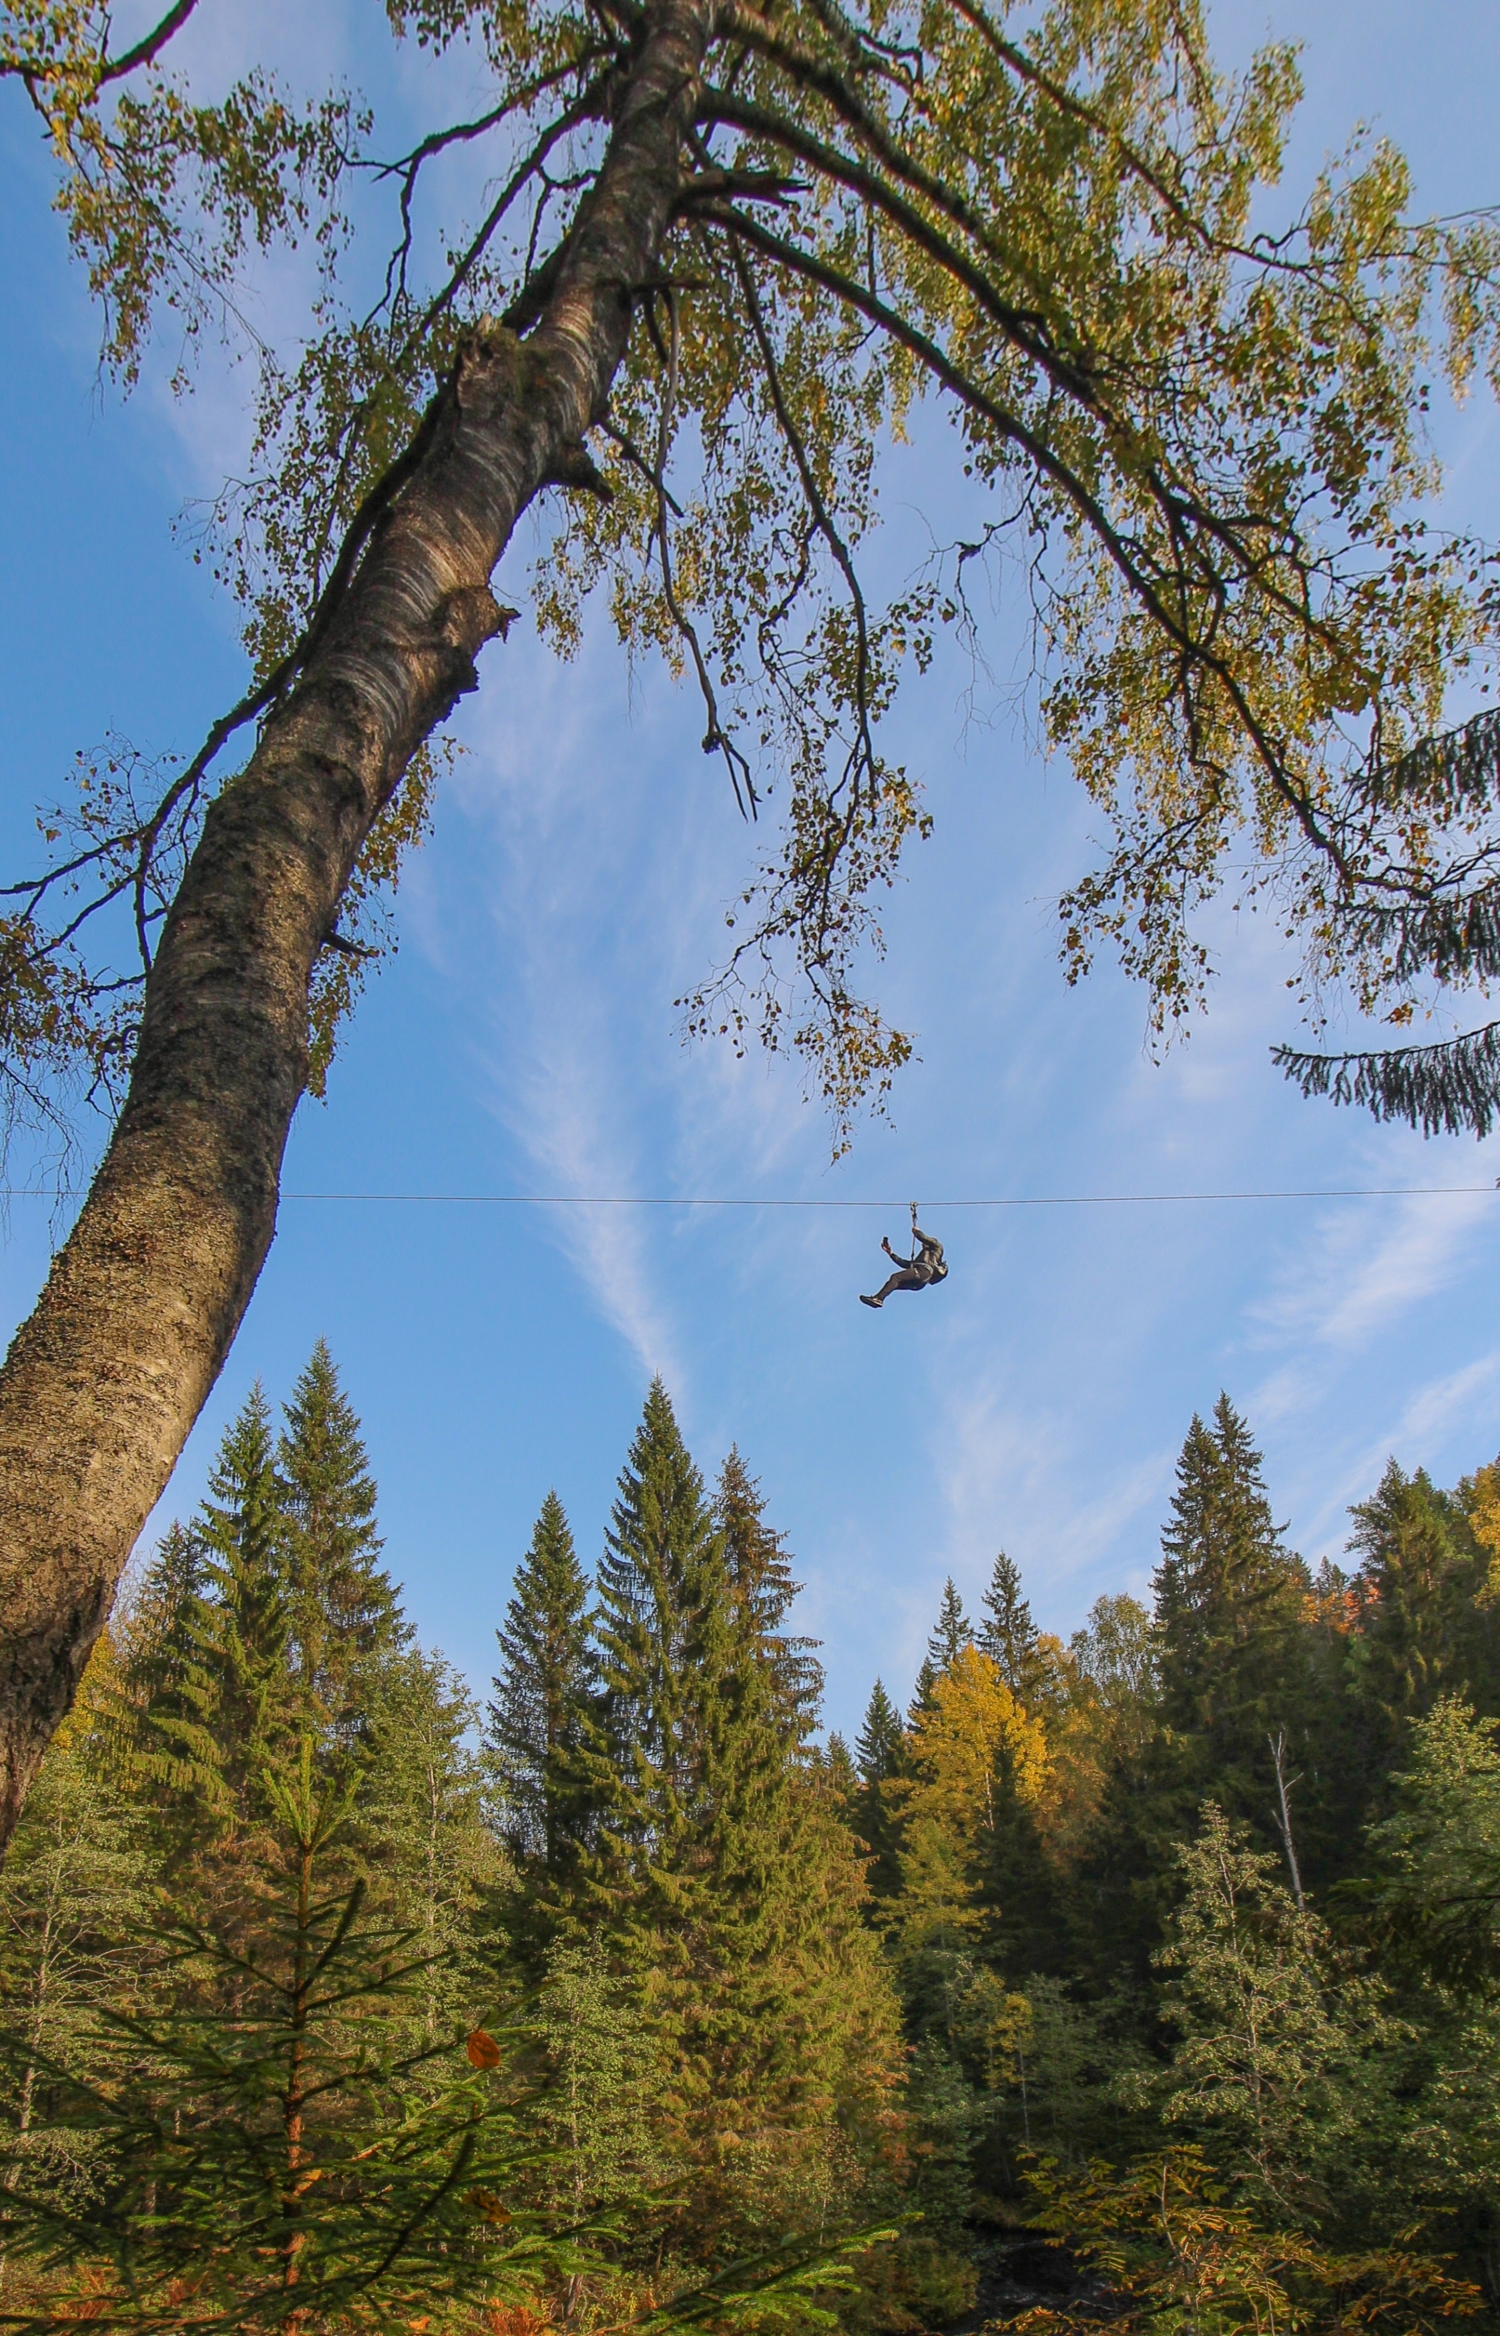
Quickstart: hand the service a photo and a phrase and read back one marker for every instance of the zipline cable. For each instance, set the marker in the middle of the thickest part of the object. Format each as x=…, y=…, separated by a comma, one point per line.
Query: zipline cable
x=617, y=1200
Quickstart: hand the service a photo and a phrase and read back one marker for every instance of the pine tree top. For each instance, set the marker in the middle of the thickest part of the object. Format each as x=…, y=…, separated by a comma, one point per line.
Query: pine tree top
x=659, y=1517
x=1008, y=1633
x=269, y=1617
x=1222, y=1541
x=758, y=1571
x=1230, y=1596
x=344, y=1604
x=953, y=1632
x=662, y=1585
x=244, y=1492
x=755, y=1555
x=879, y=1745
x=1409, y=1525
x=549, y=1598
x=839, y=1768
x=539, y=1717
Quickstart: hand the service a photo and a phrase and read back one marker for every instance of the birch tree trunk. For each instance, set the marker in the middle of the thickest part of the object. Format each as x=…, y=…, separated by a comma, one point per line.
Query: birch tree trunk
x=104, y=1381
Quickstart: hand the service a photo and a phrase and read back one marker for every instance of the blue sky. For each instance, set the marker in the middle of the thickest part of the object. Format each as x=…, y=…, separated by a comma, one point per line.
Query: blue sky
x=524, y=1040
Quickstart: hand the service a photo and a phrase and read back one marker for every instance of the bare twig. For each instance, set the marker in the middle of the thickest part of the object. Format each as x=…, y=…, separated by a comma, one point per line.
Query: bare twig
x=716, y=739
x=1284, y=1785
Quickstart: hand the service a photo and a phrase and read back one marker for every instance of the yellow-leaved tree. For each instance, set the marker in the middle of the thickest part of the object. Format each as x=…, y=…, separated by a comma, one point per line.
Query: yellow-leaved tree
x=974, y=1750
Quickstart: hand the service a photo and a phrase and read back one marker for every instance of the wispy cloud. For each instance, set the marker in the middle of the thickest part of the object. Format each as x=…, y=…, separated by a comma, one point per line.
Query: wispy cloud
x=557, y=1107
x=1011, y=1476
x=606, y=875
x=1456, y=1404
x=563, y=1074
x=1368, y=1264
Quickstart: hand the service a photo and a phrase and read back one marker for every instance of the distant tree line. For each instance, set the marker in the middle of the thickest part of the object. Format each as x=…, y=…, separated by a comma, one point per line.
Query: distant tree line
x=1154, y=1975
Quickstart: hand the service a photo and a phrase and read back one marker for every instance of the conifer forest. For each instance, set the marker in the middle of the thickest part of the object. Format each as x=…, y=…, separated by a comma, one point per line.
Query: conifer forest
x=1149, y=1980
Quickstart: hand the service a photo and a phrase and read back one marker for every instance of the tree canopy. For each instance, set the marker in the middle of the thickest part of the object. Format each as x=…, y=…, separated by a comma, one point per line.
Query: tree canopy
x=1205, y=441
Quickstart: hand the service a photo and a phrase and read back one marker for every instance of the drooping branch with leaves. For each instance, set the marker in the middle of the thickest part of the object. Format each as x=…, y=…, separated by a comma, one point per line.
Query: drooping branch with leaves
x=715, y=256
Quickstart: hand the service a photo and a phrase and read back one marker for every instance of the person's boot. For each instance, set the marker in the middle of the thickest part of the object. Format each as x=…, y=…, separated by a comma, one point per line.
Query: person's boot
x=864, y=1301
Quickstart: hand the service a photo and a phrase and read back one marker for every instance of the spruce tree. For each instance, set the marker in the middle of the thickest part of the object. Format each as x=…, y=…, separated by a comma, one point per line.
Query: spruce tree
x=1436, y=1859
x=1344, y=1748
x=538, y=1726
x=270, y=1617
x=266, y=1624
x=837, y=1766
x=1417, y=1621
x=760, y=1577
x=343, y=1612
x=208, y=1677
x=273, y=2137
x=879, y=1748
x=722, y=1880
x=1026, y=1930
x=595, y=2118
x=1229, y=1669
x=155, y=1712
x=1271, y=2031
x=880, y=1757
x=288, y=2108
x=238, y=1680
x=1008, y=1634
x=1231, y=1605
x=954, y=1630
x=1421, y=1572
x=662, y=1580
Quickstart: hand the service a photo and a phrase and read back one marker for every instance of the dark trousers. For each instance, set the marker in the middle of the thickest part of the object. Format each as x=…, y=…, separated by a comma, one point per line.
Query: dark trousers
x=910, y=1277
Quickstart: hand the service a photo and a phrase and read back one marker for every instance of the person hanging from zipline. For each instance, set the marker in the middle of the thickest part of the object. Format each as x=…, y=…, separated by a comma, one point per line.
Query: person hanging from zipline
x=918, y=1272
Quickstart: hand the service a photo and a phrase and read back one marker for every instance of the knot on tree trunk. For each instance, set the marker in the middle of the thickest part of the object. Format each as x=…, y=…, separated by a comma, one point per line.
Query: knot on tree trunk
x=471, y=616
x=490, y=370
x=464, y=621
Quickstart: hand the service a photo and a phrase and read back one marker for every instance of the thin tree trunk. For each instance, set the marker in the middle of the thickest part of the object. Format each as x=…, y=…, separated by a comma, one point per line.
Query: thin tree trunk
x=295, y=2188
x=33, y=2046
x=1284, y=1813
x=105, y=1379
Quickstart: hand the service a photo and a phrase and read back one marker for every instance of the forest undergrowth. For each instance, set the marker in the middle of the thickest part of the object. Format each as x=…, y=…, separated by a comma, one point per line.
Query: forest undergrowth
x=1148, y=1980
